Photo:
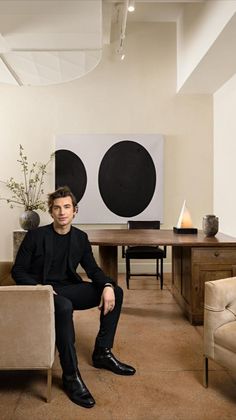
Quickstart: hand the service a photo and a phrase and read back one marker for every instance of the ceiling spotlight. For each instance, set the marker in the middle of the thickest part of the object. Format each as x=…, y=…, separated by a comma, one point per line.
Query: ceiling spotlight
x=131, y=6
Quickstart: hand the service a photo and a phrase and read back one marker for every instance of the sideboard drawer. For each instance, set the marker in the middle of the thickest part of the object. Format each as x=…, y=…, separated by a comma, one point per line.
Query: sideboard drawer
x=214, y=255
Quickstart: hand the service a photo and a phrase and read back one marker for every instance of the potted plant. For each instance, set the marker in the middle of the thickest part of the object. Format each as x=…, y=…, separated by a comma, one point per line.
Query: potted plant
x=28, y=193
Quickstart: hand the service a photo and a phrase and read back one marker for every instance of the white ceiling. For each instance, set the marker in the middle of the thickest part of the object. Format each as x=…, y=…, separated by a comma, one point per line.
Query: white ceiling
x=49, y=41
x=53, y=41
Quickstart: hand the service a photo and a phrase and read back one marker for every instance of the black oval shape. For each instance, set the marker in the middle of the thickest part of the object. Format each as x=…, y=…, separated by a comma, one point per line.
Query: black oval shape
x=70, y=171
x=127, y=178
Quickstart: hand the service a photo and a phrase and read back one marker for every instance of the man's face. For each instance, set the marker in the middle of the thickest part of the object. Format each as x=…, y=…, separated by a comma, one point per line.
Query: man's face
x=63, y=212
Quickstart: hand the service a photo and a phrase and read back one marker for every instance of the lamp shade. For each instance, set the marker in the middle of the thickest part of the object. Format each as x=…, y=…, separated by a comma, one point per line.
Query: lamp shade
x=185, y=220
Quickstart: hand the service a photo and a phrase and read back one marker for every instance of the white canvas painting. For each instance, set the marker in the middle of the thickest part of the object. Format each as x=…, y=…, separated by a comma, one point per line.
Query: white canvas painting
x=116, y=177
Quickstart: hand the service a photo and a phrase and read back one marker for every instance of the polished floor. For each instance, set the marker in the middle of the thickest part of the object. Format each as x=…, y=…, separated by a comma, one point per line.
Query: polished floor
x=166, y=350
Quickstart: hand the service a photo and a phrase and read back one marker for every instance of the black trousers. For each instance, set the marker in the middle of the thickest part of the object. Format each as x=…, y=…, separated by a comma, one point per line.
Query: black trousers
x=79, y=297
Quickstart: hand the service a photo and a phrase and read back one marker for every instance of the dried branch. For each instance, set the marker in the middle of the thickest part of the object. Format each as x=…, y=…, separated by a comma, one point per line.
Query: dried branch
x=28, y=193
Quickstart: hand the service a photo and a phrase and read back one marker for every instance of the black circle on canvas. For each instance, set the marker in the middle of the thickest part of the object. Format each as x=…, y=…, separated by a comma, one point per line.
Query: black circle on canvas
x=70, y=171
x=127, y=178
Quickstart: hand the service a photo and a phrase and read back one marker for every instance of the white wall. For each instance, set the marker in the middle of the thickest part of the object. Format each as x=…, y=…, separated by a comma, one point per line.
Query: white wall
x=225, y=156
x=133, y=96
x=198, y=28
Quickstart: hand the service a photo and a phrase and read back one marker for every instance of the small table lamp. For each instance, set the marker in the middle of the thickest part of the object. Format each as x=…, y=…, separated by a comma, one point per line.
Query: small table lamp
x=185, y=224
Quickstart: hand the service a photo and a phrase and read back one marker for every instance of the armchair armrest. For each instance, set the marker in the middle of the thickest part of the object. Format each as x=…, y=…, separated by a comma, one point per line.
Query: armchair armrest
x=27, y=327
x=220, y=293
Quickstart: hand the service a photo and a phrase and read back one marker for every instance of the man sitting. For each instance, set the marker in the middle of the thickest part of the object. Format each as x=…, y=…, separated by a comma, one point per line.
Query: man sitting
x=50, y=255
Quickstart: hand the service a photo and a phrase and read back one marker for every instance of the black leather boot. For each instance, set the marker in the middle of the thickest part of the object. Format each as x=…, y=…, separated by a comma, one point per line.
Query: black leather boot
x=104, y=359
x=77, y=390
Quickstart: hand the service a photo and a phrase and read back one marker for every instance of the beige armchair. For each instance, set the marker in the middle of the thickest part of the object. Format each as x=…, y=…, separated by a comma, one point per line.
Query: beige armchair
x=220, y=324
x=27, y=329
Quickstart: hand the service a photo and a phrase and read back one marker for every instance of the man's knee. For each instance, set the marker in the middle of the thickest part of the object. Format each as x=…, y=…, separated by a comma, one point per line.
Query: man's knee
x=63, y=306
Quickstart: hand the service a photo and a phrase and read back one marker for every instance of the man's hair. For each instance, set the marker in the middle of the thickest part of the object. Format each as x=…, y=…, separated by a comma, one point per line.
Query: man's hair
x=60, y=193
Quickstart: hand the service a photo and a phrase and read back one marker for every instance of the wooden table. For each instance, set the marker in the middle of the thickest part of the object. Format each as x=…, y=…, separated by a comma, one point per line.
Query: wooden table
x=195, y=259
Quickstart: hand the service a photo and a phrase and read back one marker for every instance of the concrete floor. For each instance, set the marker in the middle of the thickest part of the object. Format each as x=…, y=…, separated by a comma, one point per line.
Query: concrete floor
x=153, y=336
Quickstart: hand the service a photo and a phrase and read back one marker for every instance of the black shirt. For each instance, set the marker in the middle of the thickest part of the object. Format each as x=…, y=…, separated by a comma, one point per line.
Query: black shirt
x=59, y=271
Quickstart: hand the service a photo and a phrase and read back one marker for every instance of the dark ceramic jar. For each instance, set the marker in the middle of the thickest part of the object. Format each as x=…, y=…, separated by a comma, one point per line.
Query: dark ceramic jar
x=210, y=225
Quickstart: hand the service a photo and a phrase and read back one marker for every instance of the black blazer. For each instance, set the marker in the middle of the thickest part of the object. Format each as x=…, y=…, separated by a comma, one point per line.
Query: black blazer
x=34, y=258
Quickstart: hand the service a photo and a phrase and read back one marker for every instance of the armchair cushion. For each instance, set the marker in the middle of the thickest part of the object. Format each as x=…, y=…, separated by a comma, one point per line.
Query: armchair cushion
x=225, y=336
x=232, y=307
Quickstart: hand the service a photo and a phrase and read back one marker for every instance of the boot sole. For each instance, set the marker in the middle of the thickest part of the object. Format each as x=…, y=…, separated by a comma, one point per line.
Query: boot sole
x=98, y=366
x=80, y=403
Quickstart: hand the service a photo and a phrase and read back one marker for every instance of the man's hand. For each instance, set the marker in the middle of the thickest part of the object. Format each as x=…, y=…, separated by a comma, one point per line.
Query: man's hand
x=107, y=300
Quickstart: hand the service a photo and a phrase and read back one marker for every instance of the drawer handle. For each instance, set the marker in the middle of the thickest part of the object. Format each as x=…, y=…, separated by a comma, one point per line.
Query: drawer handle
x=216, y=254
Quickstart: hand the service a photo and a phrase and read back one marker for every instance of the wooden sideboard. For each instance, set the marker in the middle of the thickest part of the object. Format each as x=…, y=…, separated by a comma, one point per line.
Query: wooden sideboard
x=191, y=268
x=195, y=260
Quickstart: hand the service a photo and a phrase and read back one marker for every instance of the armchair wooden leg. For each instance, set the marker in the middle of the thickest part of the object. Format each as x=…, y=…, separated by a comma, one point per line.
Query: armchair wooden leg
x=205, y=372
x=49, y=385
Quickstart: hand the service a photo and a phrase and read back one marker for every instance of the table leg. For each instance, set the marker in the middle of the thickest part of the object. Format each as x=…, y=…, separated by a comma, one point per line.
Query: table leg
x=108, y=261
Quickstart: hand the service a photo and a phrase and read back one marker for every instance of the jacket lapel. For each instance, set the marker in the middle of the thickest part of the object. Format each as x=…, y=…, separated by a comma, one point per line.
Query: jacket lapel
x=48, y=246
x=72, y=249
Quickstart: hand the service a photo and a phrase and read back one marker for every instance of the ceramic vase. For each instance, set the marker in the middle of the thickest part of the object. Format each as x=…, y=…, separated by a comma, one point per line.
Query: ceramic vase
x=210, y=225
x=29, y=220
